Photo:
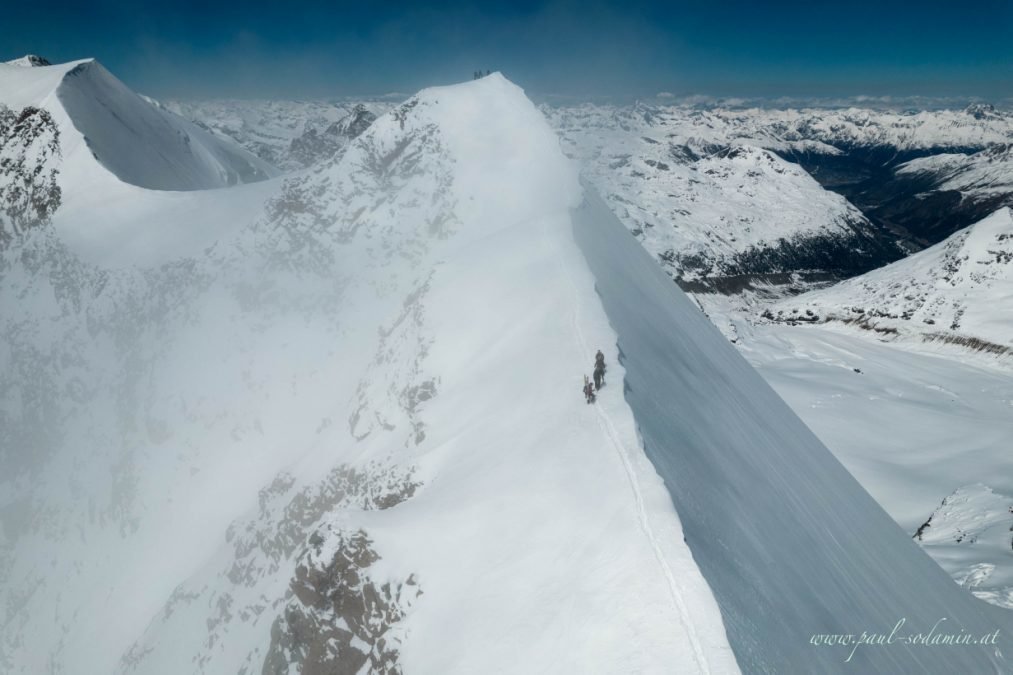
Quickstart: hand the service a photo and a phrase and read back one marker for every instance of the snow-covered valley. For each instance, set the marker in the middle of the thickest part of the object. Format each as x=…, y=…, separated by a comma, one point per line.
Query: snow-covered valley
x=331, y=421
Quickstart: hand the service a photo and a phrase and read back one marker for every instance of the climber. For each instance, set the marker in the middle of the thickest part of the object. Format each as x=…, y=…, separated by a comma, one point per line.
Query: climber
x=599, y=370
x=599, y=375
x=588, y=390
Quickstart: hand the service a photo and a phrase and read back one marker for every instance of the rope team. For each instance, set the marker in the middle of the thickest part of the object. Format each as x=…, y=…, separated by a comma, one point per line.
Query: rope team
x=599, y=378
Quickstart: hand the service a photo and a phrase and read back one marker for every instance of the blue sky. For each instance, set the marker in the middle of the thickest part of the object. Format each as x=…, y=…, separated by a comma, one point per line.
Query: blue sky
x=308, y=48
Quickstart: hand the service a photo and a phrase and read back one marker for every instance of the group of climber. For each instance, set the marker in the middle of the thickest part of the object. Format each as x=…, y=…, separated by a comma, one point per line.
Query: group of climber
x=599, y=378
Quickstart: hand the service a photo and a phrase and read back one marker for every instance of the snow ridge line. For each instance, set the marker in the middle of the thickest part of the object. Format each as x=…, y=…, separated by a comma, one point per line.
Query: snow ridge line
x=606, y=424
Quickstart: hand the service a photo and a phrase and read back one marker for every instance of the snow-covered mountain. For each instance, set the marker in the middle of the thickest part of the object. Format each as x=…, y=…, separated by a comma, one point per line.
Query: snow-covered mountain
x=959, y=291
x=111, y=132
x=664, y=170
x=289, y=134
x=983, y=180
x=885, y=163
x=976, y=126
x=712, y=204
x=332, y=436
x=29, y=61
x=348, y=434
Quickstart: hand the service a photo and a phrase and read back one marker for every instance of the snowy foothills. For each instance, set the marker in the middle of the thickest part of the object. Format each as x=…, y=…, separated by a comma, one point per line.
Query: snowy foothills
x=296, y=386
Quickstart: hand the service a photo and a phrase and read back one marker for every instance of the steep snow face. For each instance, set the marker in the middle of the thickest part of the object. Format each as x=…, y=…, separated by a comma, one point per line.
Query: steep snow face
x=138, y=143
x=791, y=545
x=288, y=134
x=710, y=203
x=347, y=436
x=959, y=291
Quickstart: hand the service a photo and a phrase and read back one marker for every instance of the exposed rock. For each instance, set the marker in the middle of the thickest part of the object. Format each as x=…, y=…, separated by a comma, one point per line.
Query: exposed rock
x=315, y=145
x=29, y=166
x=339, y=619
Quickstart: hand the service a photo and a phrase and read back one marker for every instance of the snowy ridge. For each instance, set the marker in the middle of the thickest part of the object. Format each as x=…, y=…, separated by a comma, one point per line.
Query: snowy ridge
x=791, y=545
x=372, y=391
x=957, y=292
x=29, y=61
x=131, y=140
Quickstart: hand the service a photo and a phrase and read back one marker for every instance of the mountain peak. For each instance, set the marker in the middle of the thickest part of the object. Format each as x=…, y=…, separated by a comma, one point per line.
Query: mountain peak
x=981, y=111
x=30, y=61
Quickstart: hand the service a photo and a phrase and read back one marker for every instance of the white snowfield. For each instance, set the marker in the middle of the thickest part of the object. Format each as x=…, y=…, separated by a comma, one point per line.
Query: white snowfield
x=959, y=291
x=912, y=423
x=348, y=435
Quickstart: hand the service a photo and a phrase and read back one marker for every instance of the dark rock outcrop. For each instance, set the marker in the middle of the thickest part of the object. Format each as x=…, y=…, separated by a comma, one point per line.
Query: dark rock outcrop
x=338, y=619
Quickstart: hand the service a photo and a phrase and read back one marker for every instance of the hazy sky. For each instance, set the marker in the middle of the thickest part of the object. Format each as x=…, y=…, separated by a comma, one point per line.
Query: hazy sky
x=308, y=48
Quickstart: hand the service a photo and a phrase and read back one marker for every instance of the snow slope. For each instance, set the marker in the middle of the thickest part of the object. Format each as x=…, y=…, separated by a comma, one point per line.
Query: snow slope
x=958, y=292
x=790, y=543
x=349, y=434
x=102, y=121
